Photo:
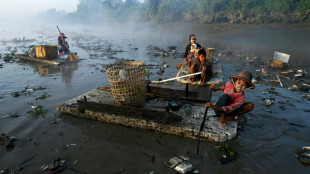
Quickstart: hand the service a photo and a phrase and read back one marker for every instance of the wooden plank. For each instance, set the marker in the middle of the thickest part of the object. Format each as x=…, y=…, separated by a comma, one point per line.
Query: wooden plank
x=160, y=116
x=176, y=94
x=27, y=58
x=170, y=94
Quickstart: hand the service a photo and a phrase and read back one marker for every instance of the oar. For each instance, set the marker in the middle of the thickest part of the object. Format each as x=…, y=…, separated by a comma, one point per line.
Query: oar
x=72, y=57
x=175, y=78
x=203, y=122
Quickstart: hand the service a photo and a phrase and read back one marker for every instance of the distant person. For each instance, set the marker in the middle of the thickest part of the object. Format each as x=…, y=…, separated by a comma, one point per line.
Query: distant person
x=192, y=40
x=232, y=102
x=63, y=45
x=201, y=64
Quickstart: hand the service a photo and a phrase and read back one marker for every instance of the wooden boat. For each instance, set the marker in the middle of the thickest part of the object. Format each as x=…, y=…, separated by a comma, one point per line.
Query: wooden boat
x=216, y=79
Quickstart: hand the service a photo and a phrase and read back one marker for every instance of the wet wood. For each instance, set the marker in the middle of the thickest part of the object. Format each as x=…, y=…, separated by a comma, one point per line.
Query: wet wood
x=27, y=58
x=176, y=94
x=172, y=94
x=160, y=116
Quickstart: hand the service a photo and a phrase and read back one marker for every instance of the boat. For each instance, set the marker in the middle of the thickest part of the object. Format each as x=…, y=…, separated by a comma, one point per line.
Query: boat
x=44, y=54
x=216, y=79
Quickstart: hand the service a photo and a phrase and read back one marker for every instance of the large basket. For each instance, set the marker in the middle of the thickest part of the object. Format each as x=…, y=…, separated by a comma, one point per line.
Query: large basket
x=127, y=83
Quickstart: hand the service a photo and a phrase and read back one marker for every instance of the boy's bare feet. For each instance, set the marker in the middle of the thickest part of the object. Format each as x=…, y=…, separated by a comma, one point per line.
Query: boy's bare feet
x=223, y=120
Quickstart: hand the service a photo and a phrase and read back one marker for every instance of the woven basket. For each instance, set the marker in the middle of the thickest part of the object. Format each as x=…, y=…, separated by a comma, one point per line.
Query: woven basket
x=210, y=54
x=127, y=83
x=277, y=64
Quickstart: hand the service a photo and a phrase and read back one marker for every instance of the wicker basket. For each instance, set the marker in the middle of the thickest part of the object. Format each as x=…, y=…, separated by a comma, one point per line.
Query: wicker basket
x=127, y=83
x=277, y=64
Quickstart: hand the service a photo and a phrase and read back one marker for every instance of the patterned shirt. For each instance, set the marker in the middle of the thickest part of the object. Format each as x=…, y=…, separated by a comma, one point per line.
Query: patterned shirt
x=236, y=99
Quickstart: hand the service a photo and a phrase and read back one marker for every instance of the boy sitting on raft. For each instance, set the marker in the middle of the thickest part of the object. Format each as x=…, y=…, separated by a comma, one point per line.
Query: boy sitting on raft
x=232, y=102
x=201, y=64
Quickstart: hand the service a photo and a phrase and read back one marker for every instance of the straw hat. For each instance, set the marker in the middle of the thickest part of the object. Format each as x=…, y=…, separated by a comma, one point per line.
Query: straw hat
x=246, y=76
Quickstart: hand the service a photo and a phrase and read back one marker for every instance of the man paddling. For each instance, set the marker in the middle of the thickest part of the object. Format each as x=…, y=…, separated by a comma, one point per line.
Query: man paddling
x=62, y=45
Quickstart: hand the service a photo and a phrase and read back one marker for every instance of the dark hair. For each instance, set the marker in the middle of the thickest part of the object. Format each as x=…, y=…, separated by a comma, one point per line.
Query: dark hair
x=202, y=51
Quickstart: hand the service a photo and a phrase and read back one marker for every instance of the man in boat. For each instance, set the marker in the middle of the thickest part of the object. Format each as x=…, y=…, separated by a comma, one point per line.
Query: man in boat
x=63, y=45
x=201, y=64
x=232, y=102
x=192, y=40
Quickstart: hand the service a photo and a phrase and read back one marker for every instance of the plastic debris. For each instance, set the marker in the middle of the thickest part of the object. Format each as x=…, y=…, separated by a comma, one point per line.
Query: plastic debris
x=174, y=162
x=55, y=166
x=303, y=155
x=184, y=167
x=268, y=102
x=227, y=154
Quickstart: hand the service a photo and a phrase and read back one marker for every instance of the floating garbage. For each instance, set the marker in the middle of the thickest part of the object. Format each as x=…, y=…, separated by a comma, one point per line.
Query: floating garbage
x=303, y=155
x=55, y=166
x=7, y=141
x=227, y=154
x=184, y=167
x=268, y=102
x=179, y=165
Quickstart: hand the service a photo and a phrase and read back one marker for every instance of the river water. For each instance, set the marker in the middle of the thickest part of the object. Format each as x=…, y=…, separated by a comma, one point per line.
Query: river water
x=265, y=144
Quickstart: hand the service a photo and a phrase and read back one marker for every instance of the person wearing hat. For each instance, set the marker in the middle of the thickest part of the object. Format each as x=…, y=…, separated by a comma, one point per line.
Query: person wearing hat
x=192, y=40
x=232, y=102
x=62, y=45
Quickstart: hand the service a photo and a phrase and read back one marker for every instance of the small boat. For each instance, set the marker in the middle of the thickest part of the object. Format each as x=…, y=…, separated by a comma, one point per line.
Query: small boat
x=216, y=79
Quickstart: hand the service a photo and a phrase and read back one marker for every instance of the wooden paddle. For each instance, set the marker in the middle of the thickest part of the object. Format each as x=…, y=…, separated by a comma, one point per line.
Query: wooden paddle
x=72, y=57
x=203, y=122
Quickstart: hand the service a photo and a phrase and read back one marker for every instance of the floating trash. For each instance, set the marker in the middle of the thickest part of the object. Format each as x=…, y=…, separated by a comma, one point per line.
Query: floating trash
x=184, y=167
x=227, y=154
x=303, y=155
x=268, y=102
x=55, y=166
x=179, y=165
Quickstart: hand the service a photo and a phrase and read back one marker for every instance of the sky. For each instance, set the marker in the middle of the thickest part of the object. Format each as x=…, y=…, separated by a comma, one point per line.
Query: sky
x=23, y=8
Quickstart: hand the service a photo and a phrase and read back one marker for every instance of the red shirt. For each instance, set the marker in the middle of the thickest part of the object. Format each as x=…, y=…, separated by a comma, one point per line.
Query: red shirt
x=236, y=99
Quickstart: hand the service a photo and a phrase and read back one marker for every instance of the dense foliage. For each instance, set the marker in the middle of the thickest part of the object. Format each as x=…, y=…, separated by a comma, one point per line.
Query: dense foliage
x=204, y=11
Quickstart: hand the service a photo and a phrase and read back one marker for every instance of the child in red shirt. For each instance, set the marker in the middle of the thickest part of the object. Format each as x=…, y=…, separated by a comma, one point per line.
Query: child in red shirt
x=232, y=102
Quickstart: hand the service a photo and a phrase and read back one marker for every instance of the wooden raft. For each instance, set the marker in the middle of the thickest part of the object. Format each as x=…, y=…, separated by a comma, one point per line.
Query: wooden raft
x=34, y=59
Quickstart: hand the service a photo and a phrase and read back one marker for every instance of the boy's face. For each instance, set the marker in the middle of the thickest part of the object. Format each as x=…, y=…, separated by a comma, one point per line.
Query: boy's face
x=201, y=57
x=193, y=40
x=240, y=85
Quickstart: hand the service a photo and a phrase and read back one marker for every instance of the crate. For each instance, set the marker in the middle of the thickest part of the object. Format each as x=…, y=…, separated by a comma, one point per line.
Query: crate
x=127, y=82
x=46, y=51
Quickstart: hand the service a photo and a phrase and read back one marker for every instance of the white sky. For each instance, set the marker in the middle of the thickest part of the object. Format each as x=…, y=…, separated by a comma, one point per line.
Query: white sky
x=23, y=8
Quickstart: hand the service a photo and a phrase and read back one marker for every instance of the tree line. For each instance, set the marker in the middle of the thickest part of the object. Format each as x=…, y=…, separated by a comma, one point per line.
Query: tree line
x=202, y=11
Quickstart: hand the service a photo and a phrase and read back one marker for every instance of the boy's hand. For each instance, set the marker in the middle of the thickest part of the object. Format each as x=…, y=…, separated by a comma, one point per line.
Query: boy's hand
x=212, y=87
x=208, y=105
